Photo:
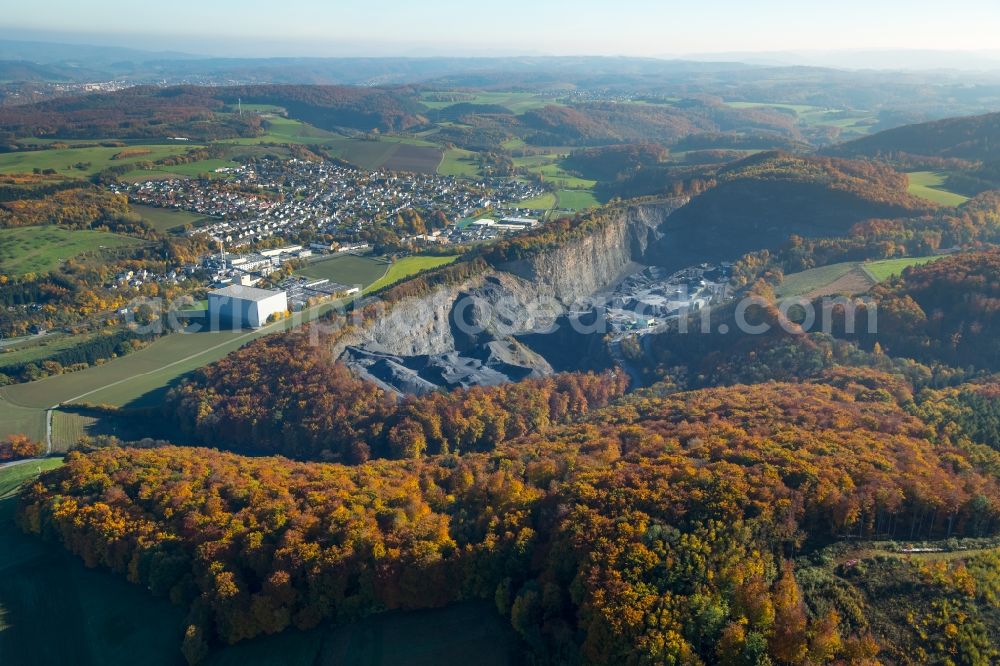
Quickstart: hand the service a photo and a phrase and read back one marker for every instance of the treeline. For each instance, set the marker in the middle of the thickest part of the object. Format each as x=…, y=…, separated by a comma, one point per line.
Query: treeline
x=946, y=311
x=598, y=123
x=32, y=186
x=872, y=181
x=937, y=324
x=207, y=114
x=283, y=395
x=548, y=236
x=655, y=530
x=785, y=182
x=215, y=151
x=614, y=162
x=975, y=224
x=19, y=447
x=78, y=208
x=101, y=347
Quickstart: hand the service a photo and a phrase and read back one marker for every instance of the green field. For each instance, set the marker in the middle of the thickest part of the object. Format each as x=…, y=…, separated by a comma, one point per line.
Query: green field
x=41, y=249
x=930, y=185
x=367, y=153
x=91, y=160
x=518, y=102
x=547, y=165
x=848, y=277
x=167, y=219
x=885, y=269
x=459, y=163
x=70, y=424
x=556, y=175
x=12, y=476
x=576, y=199
x=347, y=269
x=285, y=130
x=406, y=267
x=16, y=420
x=799, y=284
x=799, y=109
x=850, y=122
x=543, y=202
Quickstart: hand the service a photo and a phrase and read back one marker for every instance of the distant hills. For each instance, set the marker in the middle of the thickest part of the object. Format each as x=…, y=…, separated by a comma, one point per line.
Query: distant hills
x=922, y=94
x=970, y=138
x=193, y=111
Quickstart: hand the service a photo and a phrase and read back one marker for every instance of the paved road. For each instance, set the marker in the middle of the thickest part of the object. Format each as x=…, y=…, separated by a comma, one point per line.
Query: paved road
x=14, y=463
x=48, y=431
x=7, y=342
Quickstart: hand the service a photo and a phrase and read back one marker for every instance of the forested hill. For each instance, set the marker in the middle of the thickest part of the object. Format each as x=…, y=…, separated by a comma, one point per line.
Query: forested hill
x=763, y=200
x=971, y=138
x=654, y=531
x=201, y=112
x=329, y=107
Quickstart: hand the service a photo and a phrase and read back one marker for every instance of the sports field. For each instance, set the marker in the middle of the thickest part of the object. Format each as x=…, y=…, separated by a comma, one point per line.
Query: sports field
x=931, y=185
x=347, y=269
x=84, y=162
x=576, y=199
x=41, y=249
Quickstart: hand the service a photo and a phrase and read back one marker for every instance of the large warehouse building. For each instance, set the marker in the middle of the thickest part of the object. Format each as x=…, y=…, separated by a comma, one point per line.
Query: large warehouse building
x=240, y=306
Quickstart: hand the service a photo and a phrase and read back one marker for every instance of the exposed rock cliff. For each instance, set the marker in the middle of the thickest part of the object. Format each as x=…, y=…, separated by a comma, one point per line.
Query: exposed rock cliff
x=582, y=267
x=466, y=334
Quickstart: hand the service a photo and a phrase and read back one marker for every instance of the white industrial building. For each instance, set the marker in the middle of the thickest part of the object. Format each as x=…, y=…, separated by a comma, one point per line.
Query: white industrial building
x=241, y=306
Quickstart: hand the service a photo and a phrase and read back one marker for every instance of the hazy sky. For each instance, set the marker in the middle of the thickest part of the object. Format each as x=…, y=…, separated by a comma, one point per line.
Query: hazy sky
x=471, y=27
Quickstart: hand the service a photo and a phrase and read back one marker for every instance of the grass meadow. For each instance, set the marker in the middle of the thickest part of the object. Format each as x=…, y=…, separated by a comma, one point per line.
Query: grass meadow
x=848, y=277
x=167, y=219
x=406, y=267
x=90, y=160
x=930, y=185
x=887, y=268
x=41, y=249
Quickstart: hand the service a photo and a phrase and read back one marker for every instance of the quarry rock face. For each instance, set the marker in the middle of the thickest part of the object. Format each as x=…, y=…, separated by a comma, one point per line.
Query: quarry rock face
x=483, y=331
